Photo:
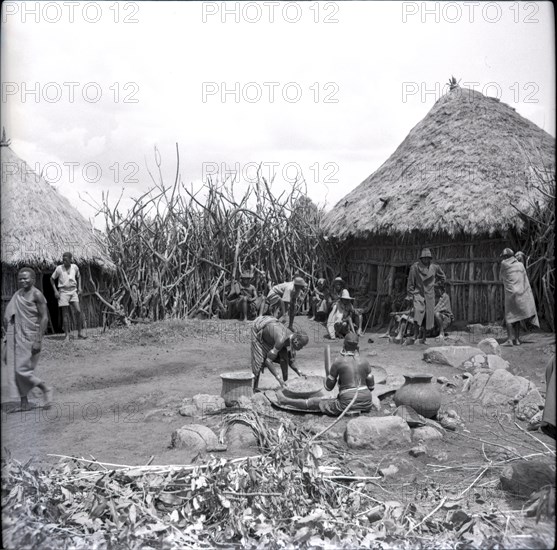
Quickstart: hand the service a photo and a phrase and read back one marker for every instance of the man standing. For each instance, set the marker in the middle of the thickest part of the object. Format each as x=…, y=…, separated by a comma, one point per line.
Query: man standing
x=272, y=342
x=519, y=300
x=68, y=292
x=423, y=276
x=353, y=375
x=26, y=320
x=284, y=296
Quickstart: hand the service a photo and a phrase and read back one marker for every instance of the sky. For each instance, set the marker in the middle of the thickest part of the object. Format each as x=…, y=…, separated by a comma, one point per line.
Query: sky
x=320, y=92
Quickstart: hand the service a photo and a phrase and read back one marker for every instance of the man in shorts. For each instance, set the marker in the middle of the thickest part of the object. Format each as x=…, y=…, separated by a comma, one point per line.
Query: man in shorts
x=67, y=293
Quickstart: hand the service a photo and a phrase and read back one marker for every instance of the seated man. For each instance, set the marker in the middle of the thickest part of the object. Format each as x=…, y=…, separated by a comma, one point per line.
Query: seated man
x=353, y=374
x=334, y=294
x=393, y=304
x=342, y=317
x=442, y=311
x=242, y=299
x=283, y=297
x=272, y=342
x=319, y=303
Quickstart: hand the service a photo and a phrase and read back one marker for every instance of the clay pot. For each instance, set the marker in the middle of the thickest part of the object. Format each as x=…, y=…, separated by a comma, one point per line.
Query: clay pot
x=419, y=393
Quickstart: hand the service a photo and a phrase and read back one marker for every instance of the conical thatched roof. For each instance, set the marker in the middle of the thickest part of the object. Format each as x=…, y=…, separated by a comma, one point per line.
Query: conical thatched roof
x=457, y=171
x=39, y=224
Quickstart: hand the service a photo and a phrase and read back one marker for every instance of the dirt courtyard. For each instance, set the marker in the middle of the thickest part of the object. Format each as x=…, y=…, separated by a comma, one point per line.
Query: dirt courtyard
x=117, y=394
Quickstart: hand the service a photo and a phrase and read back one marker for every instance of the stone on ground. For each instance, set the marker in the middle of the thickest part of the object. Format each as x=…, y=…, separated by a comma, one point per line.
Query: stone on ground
x=419, y=450
x=490, y=346
x=523, y=477
x=426, y=433
x=453, y=356
x=239, y=436
x=503, y=388
x=529, y=405
x=194, y=438
x=494, y=362
x=391, y=470
x=412, y=418
x=377, y=432
x=478, y=384
x=208, y=403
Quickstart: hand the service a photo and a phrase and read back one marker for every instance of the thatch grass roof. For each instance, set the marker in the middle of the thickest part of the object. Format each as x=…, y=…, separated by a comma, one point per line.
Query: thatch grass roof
x=458, y=171
x=39, y=224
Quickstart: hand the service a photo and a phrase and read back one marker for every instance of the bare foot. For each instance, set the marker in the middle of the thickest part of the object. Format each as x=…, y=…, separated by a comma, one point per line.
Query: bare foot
x=517, y=342
x=48, y=398
x=386, y=335
x=508, y=344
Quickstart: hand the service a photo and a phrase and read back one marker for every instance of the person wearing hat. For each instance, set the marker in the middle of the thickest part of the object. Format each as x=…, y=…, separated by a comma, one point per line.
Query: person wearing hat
x=282, y=298
x=343, y=316
x=519, y=299
x=242, y=298
x=353, y=375
x=336, y=289
x=423, y=276
x=272, y=343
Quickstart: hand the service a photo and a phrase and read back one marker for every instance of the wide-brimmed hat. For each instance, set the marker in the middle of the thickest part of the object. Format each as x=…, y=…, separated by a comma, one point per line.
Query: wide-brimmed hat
x=426, y=253
x=507, y=252
x=299, y=281
x=345, y=295
x=339, y=280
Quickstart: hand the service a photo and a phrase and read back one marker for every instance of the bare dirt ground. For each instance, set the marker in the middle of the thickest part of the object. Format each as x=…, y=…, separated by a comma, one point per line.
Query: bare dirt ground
x=117, y=397
x=117, y=394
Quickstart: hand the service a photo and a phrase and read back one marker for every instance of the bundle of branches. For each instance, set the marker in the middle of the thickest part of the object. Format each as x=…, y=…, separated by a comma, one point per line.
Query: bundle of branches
x=176, y=248
x=297, y=493
x=537, y=241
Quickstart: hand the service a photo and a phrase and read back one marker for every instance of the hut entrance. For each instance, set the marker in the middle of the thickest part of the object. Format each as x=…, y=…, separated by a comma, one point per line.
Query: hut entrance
x=55, y=323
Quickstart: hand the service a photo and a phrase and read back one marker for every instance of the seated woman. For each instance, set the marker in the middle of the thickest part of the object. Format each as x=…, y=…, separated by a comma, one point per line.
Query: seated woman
x=353, y=375
x=242, y=299
x=319, y=302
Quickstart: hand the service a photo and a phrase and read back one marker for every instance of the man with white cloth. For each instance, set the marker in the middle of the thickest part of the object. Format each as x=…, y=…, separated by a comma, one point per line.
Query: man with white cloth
x=519, y=300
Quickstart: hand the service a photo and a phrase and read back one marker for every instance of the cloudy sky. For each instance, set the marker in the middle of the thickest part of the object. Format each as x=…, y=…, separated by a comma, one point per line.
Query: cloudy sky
x=323, y=90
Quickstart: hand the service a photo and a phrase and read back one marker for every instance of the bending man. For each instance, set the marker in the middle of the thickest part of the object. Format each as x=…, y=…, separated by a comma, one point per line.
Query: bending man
x=272, y=342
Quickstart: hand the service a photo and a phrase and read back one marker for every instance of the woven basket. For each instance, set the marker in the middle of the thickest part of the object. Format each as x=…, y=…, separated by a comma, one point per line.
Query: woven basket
x=235, y=385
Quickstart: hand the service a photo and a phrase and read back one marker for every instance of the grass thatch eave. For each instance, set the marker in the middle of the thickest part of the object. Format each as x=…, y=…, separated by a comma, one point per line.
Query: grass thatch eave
x=39, y=224
x=459, y=170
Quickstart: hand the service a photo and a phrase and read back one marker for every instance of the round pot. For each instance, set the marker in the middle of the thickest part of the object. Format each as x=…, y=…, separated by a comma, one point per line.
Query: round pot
x=419, y=393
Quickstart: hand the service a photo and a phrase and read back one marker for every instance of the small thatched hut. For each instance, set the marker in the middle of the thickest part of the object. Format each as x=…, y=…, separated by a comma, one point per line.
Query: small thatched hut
x=38, y=226
x=456, y=184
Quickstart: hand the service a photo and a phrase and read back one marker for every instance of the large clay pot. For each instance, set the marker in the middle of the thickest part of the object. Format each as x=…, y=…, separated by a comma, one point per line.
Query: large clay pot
x=419, y=393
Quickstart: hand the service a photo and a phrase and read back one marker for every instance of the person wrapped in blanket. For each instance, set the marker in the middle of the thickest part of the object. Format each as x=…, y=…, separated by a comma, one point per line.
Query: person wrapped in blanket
x=442, y=312
x=353, y=375
x=272, y=342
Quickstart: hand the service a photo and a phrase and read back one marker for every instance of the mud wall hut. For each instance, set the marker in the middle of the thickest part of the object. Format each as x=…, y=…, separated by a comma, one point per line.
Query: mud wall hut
x=38, y=226
x=462, y=183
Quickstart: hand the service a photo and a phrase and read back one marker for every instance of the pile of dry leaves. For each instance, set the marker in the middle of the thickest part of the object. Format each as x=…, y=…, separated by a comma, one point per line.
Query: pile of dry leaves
x=297, y=492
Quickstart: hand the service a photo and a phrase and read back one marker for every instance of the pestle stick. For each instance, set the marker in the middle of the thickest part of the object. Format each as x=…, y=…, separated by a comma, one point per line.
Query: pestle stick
x=327, y=360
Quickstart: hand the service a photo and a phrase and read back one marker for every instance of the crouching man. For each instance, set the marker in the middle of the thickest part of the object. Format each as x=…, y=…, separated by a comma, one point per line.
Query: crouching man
x=353, y=374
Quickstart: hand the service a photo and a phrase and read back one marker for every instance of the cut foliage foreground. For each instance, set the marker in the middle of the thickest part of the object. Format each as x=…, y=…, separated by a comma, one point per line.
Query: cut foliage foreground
x=297, y=493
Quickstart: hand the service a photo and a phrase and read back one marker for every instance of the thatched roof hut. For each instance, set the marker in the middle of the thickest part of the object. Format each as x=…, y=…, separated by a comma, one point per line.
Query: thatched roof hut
x=454, y=184
x=38, y=226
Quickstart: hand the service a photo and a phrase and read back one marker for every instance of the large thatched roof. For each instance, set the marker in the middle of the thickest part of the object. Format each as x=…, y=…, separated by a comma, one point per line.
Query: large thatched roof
x=457, y=171
x=39, y=224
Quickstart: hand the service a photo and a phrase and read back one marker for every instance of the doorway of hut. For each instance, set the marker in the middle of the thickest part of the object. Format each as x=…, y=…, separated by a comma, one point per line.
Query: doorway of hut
x=54, y=317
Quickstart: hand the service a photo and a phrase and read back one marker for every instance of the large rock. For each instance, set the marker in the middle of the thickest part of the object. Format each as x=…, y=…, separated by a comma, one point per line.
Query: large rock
x=529, y=405
x=490, y=346
x=453, y=356
x=477, y=385
x=524, y=477
x=240, y=436
x=410, y=416
x=202, y=404
x=494, y=362
x=503, y=388
x=194, y=438
x=426, y=433
x=377, y=433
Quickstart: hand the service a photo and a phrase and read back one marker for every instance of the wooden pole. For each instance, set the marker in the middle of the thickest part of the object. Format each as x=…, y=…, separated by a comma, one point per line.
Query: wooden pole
x=327, y=360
